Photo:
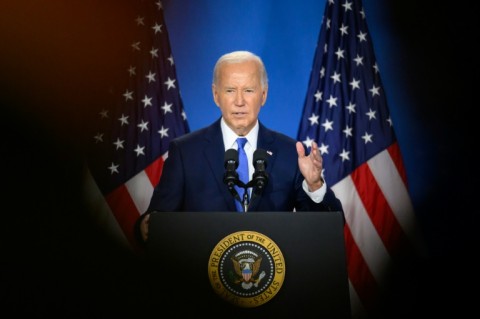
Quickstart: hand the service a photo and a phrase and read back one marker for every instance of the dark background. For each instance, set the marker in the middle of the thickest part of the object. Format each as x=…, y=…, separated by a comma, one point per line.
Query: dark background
x=56, y=260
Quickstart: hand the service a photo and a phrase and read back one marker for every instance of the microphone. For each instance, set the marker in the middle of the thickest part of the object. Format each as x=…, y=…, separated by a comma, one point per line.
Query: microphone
x=260, y=176
x=231, y=176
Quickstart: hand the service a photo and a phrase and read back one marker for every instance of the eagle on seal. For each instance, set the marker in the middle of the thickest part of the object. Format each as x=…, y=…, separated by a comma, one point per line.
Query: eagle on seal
x=247, y=269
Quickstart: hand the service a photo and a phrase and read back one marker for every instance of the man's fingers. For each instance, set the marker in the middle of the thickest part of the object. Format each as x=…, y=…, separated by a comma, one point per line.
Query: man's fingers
x=144, y=227
x=300, y=149
x=314, y=148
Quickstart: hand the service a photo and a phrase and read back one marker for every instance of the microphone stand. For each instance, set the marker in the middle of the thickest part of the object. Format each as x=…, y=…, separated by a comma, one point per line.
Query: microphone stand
x=245, y=201
x=258, y=184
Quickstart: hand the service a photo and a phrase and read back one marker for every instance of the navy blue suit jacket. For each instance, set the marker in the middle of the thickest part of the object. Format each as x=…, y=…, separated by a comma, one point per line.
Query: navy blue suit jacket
x=192, y=176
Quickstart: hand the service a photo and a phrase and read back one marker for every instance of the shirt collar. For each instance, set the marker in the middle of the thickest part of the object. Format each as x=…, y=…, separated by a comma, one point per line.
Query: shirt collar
x=230, y=138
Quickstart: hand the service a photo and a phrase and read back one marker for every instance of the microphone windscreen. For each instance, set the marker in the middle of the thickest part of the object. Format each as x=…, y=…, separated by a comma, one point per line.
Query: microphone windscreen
x=231, y=155
x=260, y=155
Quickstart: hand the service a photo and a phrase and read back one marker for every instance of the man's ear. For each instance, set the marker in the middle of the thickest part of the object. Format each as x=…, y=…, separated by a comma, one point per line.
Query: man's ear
x=215, y=95
x=264, y=96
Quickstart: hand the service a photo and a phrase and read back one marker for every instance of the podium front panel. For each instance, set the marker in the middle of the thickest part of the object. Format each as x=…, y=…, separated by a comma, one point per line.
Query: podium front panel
x=315, y=282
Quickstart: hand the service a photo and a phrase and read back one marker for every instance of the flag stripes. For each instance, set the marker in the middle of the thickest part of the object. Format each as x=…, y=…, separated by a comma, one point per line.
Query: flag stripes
x=132, y=134
x=346, y=114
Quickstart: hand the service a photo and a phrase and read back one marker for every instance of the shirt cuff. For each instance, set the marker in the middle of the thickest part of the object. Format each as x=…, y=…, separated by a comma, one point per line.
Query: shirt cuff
x=318, y=195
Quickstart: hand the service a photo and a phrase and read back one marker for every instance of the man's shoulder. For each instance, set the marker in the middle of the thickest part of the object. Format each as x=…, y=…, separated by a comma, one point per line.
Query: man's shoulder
x=276, y=136
x=284, y=138
x=192, y=135
x=207, y=132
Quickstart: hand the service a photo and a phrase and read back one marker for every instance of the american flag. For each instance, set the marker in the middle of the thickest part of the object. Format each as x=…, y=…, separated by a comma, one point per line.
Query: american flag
x=346, y=113
x=130, y=142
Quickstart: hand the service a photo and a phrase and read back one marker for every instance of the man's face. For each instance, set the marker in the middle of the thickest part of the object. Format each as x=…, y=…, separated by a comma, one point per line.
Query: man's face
x=239, y=95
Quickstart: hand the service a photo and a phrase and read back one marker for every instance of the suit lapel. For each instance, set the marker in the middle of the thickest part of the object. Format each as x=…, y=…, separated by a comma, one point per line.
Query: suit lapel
x=215, y=158
x=265, y=141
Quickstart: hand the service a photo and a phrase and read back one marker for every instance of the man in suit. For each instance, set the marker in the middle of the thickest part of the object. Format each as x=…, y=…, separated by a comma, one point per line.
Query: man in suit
x=193, y=174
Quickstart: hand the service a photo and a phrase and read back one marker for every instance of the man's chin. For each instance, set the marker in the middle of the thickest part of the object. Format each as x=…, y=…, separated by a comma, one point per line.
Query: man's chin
x=241, y=129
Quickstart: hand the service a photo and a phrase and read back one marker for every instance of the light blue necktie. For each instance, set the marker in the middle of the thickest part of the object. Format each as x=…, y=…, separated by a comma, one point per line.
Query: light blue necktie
x=242, y=170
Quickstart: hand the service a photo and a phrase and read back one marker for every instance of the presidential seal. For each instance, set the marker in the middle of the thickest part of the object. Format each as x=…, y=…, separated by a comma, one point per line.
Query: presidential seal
x=246, y=269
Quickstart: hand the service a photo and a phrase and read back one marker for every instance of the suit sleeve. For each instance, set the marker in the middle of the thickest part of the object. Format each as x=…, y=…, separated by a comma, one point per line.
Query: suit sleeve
x=304, y=203
x=168, y=194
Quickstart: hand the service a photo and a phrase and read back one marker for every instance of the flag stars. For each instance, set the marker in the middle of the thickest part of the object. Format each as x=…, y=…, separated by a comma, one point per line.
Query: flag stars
x=313, y=119
x=163, y=132
x=340, y=53
x=139, y=150
x=131, y=71
x=318, y=96
x=167, y=108
x=113, y=168
x=147, y=101
x=362, y=13
x=103, y=114
x=375, y=90
x=336, y=77
x=371, y=114
x=362, y=36
x=128, y=95
x=151, y=77
x=361, y=124
x=157, y=28
x=154, y=53
x=332, y=101
x=143, y=126
x=98, y=138
x=389, y=121
x=367, y=137
x=123, y=120
x=322, y=72
x=308, y=142
x=118, y=143
x=140, y=20
x=328, y=24
x=351, y=108
x=170, y=83
x=136, y=46
x=347, y=131
x=347, y=5
x=323, y=149
x=328, y=125
x=184, y=115
x=358, y=60
x=375, y=67
x=121, y=146
x=355, y=84
x=345, y=155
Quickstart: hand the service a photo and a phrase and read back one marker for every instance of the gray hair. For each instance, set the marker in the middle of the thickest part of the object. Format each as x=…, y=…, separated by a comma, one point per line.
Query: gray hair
x=239, y=57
